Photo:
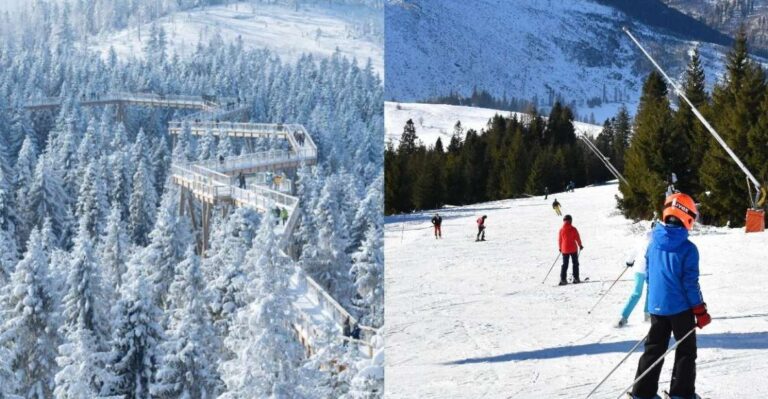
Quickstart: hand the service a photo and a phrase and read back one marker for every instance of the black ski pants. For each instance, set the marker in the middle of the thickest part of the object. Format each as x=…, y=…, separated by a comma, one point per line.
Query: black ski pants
x=684, y=370
x=564, y=268
x=480, y=232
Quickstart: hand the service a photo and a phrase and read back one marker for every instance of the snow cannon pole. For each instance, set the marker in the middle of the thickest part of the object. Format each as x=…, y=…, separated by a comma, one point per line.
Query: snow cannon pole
x=648, y=370
x=679, y=92
x=551, y=267
x=618, y=365
x=608, y=290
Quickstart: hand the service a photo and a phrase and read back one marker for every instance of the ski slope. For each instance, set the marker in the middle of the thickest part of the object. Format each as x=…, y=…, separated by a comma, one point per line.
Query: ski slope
x=472, y=319
x=314, y=29
x=435, y=121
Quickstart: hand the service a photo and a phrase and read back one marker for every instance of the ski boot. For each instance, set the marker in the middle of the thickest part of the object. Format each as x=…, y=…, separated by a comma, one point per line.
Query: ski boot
x=576, y=280
x=630, y=396
x=622, y=322
x=563, y=282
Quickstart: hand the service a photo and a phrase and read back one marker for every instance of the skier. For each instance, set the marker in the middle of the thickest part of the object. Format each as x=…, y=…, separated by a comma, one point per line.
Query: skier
x=241, y=180
x=637, y=292
x=568, y=241
x=277, y=215
x=674, y=301
x=437, y=220
x=556, y=207
x=546, y=192
x=481, y=228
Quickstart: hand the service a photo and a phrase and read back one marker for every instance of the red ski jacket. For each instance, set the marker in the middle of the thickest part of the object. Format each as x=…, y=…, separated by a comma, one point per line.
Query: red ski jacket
x=568, y=240
x=481, y=222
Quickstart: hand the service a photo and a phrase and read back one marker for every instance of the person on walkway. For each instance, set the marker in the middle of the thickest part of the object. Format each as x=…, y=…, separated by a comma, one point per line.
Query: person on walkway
x=481, y=228
x=556, y=207
x=277, y=214
x=636, y=260
x=241, y=180
x=284, y=215
x=569, y=243
x=674, y=301
x=346, y=330
x=437, y=221
x=221, y=159
x=546, y=192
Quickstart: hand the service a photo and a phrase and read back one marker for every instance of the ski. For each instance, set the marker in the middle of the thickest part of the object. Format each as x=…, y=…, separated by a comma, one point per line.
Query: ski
x=666, y=395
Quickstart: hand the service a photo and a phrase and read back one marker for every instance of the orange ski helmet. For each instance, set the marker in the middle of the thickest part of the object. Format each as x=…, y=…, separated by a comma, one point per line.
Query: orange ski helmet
x=682, y=207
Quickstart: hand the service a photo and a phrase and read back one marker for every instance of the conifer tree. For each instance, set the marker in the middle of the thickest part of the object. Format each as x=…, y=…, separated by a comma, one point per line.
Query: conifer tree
x=685, y=121
x=266, y=353
x=188, y=366
x=30, y=324
x=135, y=354
x=114, y=251
x=736, y=106
x=142, y=204
x=654, y=153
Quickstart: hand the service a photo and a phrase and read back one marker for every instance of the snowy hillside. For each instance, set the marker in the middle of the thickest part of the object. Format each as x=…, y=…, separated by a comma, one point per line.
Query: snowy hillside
x=318, y=29
x=573, y=49
x=438, y=120
x=474, y=319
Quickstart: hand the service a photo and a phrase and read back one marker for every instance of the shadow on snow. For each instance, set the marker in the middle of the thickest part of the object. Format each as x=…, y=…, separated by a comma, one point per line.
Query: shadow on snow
x=754, y=340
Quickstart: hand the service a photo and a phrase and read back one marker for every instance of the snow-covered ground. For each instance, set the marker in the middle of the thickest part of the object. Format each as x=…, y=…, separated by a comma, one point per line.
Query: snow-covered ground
x=438, y=120
x=472, y=319
x=528, y=49
x=316, y=29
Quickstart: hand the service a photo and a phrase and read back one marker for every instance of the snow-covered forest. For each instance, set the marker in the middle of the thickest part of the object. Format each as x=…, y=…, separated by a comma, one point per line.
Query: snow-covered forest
x=102, y=293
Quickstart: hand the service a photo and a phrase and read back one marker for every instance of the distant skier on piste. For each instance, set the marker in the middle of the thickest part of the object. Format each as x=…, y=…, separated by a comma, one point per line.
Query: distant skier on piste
x=481, y=228
x=546, y=192
x=556, y=207
x=569, y=243
x=674, y=301
x=437, y=221
x=636, y=260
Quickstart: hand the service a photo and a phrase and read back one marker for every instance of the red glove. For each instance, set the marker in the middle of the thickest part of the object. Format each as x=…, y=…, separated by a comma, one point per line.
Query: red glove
x=702, y=317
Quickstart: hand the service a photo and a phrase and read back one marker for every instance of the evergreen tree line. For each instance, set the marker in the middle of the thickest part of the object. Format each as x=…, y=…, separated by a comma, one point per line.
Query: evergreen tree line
x=102, y=295
x=667, y=141
x=510, y=158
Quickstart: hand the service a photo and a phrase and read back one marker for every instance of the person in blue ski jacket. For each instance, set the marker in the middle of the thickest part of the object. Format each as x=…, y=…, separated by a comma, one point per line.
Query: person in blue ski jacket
x=636, y=260
x=675, y=301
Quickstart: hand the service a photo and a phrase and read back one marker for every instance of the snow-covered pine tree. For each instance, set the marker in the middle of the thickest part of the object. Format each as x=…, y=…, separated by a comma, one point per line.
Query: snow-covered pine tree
x=266, y=352
x=368, y=272
x=135, y=353
x=142, y=203
x=114, y=251
x=191, y=348
x=168, y=241
x=330, y=265
x=121, y=181
x=225, y=267
x=30, y=325
x=86, y=324
x=92, y=204
x=206, y=146
x=161, y=161
x=47, y=198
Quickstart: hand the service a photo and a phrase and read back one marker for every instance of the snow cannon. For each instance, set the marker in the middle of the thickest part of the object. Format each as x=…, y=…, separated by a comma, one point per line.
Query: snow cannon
x=756, y=215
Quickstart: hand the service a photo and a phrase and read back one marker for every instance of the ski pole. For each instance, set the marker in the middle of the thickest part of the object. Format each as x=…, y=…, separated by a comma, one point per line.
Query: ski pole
x=608, y=290
x=551, y=267
x=619, y=364
x=648, y=370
